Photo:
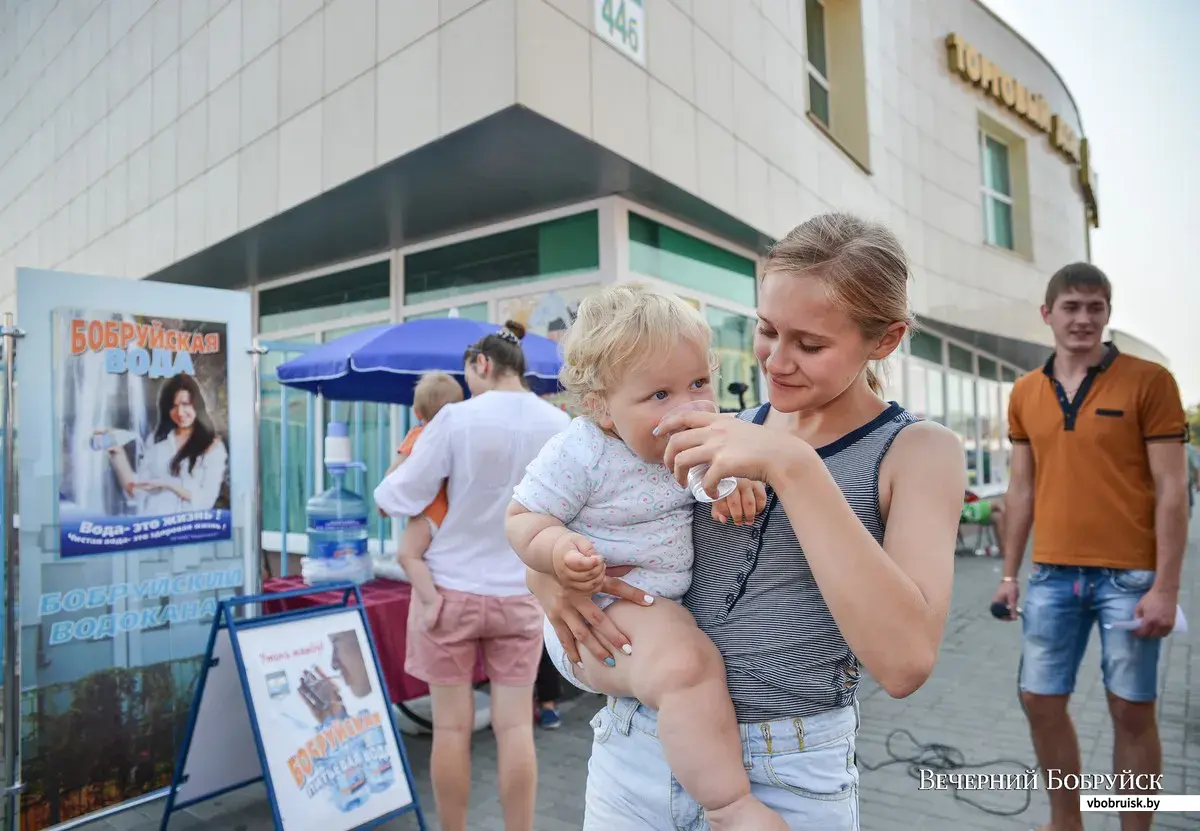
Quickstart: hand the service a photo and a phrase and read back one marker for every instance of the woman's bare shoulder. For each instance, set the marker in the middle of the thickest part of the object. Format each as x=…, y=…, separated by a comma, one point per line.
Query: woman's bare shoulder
x=921, y=485
x=923, y=448
x=925, y=433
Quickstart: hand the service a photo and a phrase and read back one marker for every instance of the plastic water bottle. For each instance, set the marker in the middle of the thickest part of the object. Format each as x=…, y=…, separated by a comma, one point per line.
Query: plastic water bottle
x=380, y=773
x=349, y=782
x=337, y=522
x=695, y=478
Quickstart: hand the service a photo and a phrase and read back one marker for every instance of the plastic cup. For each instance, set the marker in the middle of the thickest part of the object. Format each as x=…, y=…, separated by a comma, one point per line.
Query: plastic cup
x=695, y=477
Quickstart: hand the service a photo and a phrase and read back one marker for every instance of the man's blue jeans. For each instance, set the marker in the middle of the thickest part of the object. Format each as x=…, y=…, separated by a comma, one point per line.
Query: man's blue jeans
x=1062, y=603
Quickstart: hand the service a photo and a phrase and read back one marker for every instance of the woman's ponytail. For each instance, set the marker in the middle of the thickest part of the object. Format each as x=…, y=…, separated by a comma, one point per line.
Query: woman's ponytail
x=503, y=349
x=873, y=381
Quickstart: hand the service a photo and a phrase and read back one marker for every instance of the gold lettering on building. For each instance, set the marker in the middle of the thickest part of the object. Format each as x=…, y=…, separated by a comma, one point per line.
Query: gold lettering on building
x=1087, y=179
x=966, y=62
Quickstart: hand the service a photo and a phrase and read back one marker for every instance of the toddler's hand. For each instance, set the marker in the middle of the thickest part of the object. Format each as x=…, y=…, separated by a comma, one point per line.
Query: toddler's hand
x=577, y=566
x=743, y=505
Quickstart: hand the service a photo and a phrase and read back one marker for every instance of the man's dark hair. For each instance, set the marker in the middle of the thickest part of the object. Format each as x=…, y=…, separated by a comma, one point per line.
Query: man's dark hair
x=1083, y=276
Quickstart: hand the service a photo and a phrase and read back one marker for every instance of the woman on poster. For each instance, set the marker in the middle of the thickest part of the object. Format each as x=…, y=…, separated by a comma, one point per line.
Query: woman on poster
x=184, y=466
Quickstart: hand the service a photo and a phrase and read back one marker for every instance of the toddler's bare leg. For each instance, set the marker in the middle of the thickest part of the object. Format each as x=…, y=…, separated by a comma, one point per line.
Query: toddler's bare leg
x=677, y=670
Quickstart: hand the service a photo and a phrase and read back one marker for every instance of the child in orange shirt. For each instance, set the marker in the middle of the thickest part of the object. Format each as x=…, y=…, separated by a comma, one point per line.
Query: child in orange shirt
x=434, y=391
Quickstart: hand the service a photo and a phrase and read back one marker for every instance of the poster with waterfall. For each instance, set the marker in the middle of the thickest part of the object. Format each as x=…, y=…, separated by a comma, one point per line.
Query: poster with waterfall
x=141, y=411
x=126, y=547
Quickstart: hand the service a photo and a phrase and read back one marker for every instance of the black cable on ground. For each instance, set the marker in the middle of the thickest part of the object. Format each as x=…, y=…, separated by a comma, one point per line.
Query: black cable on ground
x=945, y=758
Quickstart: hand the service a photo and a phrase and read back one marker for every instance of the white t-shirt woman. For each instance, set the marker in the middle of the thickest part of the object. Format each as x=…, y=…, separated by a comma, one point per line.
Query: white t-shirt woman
x=469, y=594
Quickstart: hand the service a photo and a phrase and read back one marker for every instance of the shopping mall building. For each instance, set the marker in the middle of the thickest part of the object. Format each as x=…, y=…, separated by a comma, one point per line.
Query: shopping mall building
x=358, y=161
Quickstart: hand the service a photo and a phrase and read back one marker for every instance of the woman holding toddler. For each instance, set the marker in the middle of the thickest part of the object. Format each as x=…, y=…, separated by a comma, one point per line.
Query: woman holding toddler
x=731, y=652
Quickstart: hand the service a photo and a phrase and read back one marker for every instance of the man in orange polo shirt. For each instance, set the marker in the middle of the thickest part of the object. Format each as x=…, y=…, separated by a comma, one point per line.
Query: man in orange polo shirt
x=1098, y=470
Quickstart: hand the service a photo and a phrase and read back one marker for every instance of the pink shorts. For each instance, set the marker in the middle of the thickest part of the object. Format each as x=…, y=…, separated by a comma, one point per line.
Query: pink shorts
x=507, y=629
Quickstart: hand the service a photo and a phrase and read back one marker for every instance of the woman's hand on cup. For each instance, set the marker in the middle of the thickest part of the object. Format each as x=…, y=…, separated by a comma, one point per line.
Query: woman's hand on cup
x=578, y=621
x=729, y=446
x=695, y=475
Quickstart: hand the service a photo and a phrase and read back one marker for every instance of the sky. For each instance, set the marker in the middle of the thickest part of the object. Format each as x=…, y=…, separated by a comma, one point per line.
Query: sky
x=1131, y=69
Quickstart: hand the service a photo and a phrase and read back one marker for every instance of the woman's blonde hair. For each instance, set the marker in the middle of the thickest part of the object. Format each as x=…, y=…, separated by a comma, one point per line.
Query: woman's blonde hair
x=618, y=328
x=861, y=263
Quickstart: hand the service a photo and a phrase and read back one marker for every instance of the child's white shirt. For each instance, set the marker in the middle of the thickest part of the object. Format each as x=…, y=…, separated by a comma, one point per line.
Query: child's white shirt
x=633, y=511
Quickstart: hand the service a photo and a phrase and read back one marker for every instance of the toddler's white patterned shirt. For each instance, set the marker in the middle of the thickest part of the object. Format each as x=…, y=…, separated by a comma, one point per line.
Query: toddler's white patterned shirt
x=633, y=511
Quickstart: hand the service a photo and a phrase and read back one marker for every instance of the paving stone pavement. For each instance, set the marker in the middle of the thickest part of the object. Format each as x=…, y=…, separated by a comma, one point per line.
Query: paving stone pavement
x=970, y=703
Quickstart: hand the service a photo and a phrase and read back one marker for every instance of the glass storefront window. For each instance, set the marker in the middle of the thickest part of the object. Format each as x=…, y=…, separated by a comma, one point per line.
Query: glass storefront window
x=358, y=291
x=1005, y=394
x=891, y=375
x=535, y=252
x=925, y=345
x=960, y=417
x=917, y=400
x=935, y=379
x=1007, y=374
x=961, y=359
x=963, y=402
x=271, y=444
x=472, y=311
x=333, y=334
x=733, y=339
x=372, y=421
x=990, y=426
x=954, y=404
x=658, y=251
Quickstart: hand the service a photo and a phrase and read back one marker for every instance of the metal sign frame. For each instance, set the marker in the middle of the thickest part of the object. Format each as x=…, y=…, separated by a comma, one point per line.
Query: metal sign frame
x=226, y=620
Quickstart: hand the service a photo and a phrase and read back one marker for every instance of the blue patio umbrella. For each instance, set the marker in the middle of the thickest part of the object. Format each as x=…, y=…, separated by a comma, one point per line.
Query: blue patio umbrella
x=384, y=363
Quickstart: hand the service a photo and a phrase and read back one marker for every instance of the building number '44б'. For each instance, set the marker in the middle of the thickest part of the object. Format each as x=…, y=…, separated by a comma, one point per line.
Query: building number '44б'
x=622, y=23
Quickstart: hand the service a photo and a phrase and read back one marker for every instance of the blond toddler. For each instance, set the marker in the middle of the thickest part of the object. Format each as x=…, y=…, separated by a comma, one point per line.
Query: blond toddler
x=599, y=495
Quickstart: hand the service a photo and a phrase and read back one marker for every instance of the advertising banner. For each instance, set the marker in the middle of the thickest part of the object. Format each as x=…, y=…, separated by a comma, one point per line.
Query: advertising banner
x=167, y=451
x=323, y=720
x=545, y=313
x=135, y=443
x=549, y=314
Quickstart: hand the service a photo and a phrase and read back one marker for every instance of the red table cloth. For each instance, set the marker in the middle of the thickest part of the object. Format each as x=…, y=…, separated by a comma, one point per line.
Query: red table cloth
x=387, y=603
